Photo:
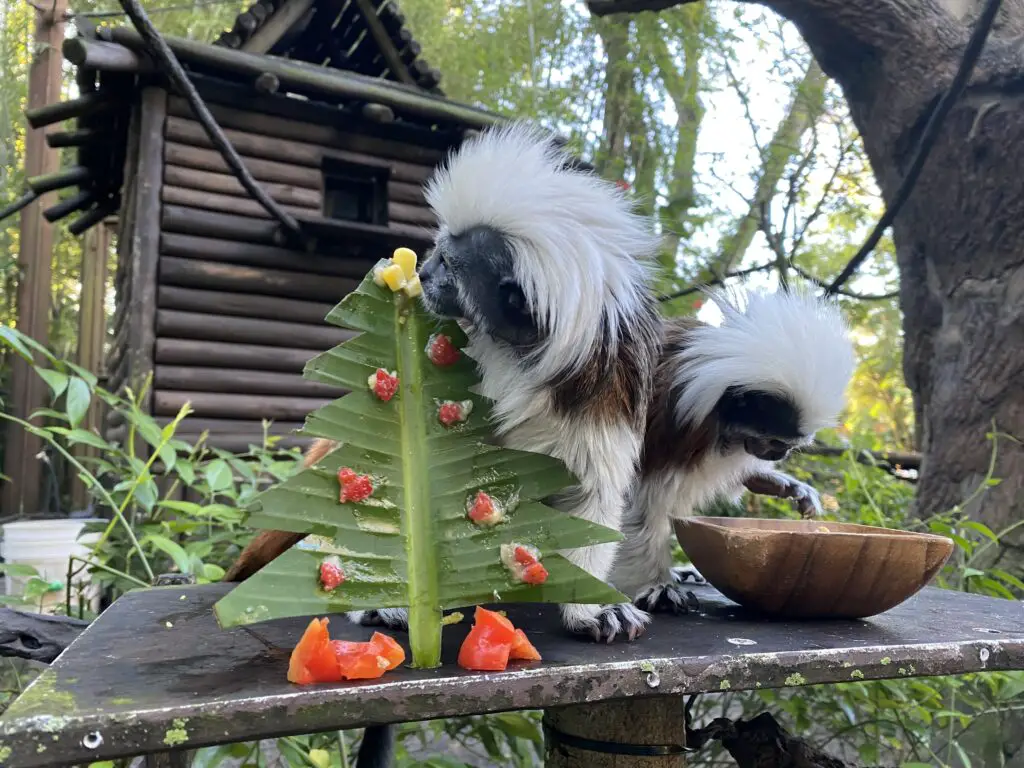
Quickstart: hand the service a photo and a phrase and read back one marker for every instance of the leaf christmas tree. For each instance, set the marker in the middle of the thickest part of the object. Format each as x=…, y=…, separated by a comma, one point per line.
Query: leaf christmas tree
x=433, y=518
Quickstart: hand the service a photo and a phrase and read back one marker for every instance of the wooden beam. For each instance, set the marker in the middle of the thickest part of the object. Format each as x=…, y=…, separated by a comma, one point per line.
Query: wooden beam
x=383, y=40
x=145, y=234
x=91, y=335
x=274, y=28
x=21, y=494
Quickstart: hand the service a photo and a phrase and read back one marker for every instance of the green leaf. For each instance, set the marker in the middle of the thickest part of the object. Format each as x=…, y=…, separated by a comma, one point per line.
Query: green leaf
x=55, y=380
x=18, y=569
x=77, y=402
x=218, y=475
x=170, y=548
x=83, y=436
x=411, y=543
x=14, y=339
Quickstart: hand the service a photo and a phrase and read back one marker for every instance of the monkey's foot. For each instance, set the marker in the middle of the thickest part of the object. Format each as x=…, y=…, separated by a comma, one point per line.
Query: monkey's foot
x=605, y=623
x=392, y=618
x=684, y=573
x=666, y=598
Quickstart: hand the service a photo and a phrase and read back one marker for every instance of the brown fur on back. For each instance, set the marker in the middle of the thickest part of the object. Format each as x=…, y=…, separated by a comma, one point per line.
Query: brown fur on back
x=615, y=384
x=666, y=444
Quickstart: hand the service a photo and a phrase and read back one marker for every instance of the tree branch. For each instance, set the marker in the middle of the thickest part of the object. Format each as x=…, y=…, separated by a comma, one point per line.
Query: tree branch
x=716, y=281
x=176, y=74
x=927, y=141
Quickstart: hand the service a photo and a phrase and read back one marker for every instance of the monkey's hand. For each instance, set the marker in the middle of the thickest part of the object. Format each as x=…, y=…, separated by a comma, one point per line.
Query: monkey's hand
x=392, y=618
x=604, y=623
x=782, y=486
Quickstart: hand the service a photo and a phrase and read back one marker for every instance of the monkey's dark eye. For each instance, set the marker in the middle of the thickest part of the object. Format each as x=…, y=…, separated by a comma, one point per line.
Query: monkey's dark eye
x=512, y=297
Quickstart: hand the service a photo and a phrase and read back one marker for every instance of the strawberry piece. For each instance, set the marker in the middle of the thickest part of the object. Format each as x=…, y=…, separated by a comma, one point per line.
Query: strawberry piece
x=353, y=487
x=451, y=413
x=331, y=574
x=441, y=351
x=383, y=384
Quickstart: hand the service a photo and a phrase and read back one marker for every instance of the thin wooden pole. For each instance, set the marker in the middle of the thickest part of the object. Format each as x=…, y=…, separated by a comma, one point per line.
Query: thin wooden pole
x=91, y=333
x=28, y=391
x=647, y=732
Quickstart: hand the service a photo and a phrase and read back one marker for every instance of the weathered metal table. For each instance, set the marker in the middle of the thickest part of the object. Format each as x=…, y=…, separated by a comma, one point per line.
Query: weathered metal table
x=154, y=673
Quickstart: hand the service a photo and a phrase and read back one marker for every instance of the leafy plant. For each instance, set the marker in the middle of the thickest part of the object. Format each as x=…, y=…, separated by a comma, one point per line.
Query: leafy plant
x=411, y=542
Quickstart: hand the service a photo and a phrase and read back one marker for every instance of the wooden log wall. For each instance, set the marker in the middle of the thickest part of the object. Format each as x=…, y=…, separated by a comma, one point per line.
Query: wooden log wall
x=234, y=316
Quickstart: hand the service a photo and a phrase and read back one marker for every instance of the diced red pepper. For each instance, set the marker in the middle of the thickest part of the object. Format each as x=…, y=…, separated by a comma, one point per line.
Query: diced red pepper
x=441, y=351
x=318, y=659
x=522, y=648
x=331, y=574
x=383, y=384
x=493, y=642
x=535, y=574
x=524, y=556
x=312, y=660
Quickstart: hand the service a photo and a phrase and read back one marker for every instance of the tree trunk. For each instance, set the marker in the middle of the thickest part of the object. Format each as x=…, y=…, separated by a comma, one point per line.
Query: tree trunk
x=960, y=237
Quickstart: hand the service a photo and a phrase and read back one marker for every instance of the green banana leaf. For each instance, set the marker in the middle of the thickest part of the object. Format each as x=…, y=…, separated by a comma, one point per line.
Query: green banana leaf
x=411, y=542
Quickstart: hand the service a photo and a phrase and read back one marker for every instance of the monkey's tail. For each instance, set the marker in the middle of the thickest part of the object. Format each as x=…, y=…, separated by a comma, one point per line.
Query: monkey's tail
x=378, y=747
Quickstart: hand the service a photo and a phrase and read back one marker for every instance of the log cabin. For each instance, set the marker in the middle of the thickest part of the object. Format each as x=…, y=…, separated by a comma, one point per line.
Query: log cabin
x=336, y=114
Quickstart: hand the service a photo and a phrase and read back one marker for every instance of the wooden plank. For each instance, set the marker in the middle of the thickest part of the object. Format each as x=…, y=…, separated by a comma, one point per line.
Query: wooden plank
x=232, y=355
x=240, y=382
x=361, y=240
x=193, y=221
x=936, y=632
x=411, y=214
x=212, y=275
x=234, y=406
x=238, y=206
x=243, y=304
x=276, y=26
x=145, y=236
x=239, y=330
x=244, y=206
x=307, y=130
x=251, y=145
x=234, y=252
x=227, y=184
x=262, y=170
x=405, y=201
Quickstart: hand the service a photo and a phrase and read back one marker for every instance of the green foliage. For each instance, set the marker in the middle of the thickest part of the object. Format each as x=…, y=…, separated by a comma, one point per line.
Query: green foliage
x=410, y=543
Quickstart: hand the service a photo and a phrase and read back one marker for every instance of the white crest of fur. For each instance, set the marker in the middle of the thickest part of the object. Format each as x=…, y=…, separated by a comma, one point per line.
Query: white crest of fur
x=580, y=252
x=788, y=342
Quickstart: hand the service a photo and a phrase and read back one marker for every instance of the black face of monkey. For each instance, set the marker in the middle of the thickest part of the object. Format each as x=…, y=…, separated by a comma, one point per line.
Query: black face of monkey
x=766, y=424
x=470, y=277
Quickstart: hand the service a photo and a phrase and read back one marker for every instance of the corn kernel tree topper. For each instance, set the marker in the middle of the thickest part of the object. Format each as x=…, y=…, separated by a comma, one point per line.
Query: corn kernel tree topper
x=413, y=509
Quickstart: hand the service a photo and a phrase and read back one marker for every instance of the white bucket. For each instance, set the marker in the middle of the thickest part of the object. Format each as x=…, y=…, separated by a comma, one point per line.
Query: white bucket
x=47, y=546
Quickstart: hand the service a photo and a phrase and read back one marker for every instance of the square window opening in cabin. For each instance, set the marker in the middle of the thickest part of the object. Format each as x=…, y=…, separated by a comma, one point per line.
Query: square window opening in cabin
x=355, y=192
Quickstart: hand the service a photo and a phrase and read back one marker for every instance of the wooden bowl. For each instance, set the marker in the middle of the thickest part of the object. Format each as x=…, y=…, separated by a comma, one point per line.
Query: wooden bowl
x=809, y=568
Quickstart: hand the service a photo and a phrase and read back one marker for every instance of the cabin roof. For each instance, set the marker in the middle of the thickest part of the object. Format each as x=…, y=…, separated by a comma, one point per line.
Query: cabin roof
x=367, y=37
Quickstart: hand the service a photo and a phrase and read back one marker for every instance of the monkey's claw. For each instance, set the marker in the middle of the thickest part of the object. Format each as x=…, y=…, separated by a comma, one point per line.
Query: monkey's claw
x=683, y=573
x=667, y=598
x=608, y=623
x=808, y=502
x=392, y=618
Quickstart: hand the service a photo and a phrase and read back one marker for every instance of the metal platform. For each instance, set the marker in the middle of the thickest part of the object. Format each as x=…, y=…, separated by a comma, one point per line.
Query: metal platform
x=155, y=673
